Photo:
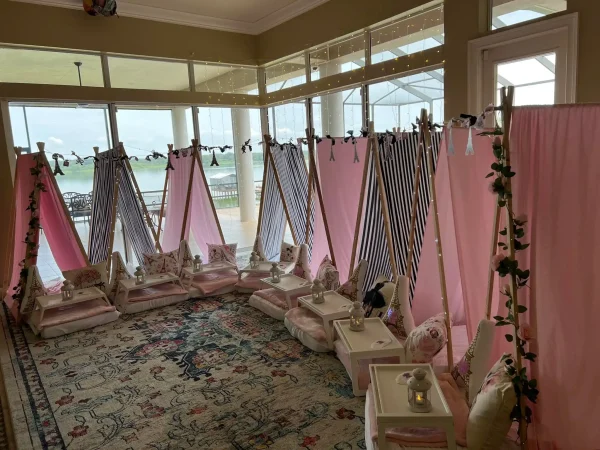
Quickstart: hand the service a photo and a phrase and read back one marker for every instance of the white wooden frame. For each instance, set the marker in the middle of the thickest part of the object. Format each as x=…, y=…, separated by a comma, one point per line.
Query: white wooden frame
x=566, y=26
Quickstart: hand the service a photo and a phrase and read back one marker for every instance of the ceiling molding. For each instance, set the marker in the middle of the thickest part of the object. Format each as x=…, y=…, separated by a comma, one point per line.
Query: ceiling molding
x=197, y=20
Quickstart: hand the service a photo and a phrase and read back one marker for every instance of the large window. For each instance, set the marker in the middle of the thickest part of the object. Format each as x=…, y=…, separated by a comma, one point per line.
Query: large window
x=533, y=79
x=65, y=129
x=286, y=74
x=338, y=57
x=137, y=73
x=50, y=67
x=511, y=12
x=415, y=33
x=225, y=79
x=397, y=103
x=337, y=113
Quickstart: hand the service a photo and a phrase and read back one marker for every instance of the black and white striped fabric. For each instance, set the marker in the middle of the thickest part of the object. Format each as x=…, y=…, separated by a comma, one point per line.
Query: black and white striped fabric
x=398, y=165
x=128, y=209
x=293, y=176
x=102, y=204
x=273, y=220
x=132, y=216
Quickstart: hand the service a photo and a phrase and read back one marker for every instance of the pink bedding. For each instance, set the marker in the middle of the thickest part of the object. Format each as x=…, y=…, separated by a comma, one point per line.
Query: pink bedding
x=277, y=298
x=57, y=316
x=460, y=345
x=153, y=292
x=428, y=437
x=307, y=322
x=251, y=281
x=209, y=283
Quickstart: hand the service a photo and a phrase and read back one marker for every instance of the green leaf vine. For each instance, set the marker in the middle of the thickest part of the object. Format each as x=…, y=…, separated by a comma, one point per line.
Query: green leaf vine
x=507, y=267
x=30, y=241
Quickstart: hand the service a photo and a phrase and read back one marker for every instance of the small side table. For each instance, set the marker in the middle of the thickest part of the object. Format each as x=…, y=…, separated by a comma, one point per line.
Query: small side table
x=128, y=285
x=376, y=341
x=391, y=403
x=188, y=274
x=46, y=303
x=290, y=285
x=334, y=307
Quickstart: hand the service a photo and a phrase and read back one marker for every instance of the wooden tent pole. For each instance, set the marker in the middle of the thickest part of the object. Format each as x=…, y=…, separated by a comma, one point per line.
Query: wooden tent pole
x=491, y=271
x=188, y=197
x=507, y=107
x=414, y=206
x=285, y=207
x=164, y=196
x=310, y=199
x=64, y=208
x=313, y=168
x=383, y=201
x=210, y=199
x=359, y=214
x=264, y=184
x=438, y=237
x=139, y=194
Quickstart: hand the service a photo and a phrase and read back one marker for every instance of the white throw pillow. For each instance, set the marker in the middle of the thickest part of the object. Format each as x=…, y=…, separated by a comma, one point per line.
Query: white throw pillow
x=162, y=263
x=426, y=340
x=118, y=271
x=354, y=288
x=471, y=370
x=186, y=259
x=289, y=253
x=34, y=287
x=489, y=419
x=222, y=253
x=93, y=276
x=302, y=267
x=328, y=274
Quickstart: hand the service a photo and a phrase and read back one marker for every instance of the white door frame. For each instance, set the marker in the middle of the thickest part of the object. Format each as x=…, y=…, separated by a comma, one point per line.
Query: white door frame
x=566, y=26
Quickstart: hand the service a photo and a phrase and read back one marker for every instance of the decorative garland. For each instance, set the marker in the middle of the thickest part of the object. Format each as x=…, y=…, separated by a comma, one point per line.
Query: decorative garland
x=505, y=266
x=31, y=245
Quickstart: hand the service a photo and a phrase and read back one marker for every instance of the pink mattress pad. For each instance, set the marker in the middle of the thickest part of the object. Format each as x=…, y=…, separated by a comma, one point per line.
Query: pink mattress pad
x=277, y=298
x=252, y=281
x=65, y=314
x=307, y=322
x=153, y=292
x=209, y=283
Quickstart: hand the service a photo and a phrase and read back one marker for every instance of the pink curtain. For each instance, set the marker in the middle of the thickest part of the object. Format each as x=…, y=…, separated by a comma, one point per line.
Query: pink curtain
x=177, y=194
x=200, y=215
x=556, y=154
x=320, y=246
x=340, y=185
x=62, y=239
x=204, y=223
x=428, y=298
x=24, y=184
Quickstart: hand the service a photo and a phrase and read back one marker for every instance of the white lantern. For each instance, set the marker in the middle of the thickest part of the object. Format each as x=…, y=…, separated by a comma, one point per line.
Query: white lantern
x=67, y=290
x=275, y=273
x=140, y=275
x=318, y=291
x=197, y=263
x=254, y=260
x=357, y=317
x=418, y=392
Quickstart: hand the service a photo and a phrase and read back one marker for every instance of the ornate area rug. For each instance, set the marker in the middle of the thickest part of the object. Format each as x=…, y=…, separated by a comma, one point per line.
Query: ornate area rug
x=204, y=374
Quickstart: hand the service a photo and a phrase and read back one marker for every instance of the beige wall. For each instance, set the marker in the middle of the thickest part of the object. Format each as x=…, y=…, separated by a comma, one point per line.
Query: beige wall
x=29, y=24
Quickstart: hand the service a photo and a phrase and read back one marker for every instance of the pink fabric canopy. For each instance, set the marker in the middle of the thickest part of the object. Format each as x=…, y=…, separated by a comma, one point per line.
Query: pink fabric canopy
x=341, y=185
x=63, y=242
x=555, y=156
x=427, y=300
x=201, y=218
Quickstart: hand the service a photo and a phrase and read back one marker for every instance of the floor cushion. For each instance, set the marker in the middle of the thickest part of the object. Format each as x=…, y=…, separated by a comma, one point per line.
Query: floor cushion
x=250, y=282
x=209, y=283
x=78, y=325
x=307, y=327
x=70, y=313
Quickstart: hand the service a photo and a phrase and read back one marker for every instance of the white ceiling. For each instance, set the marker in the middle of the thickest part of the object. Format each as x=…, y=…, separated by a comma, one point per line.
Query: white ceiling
x=242, y=16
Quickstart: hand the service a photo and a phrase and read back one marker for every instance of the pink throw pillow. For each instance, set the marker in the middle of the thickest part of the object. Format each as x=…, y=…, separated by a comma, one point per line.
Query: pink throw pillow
x=426, y=341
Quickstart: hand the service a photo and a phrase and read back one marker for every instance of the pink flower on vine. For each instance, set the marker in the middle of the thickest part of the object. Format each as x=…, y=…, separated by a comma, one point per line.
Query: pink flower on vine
x=497, y=260
x=526, y=331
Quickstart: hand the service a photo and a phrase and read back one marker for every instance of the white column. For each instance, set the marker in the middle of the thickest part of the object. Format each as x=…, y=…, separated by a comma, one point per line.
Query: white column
x=240, y=119
x=332, y=105
x=181, y=138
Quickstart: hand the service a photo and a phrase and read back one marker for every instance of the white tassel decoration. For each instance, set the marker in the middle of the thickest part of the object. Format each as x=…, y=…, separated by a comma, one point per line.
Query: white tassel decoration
x=450, y=139
x=470, y=150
